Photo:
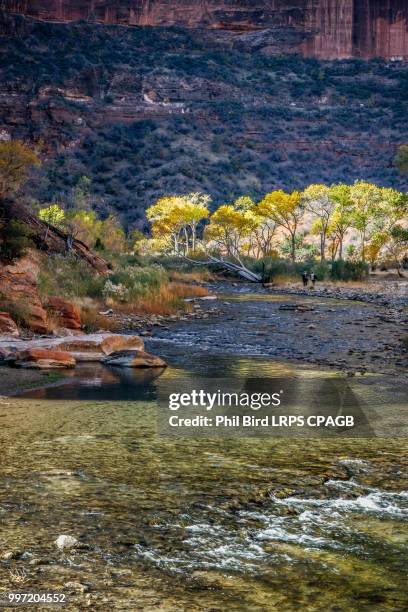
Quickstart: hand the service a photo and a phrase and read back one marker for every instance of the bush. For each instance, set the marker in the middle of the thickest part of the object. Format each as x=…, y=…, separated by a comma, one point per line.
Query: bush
x=18, y=311
x=349, y=270
x=15, y=240
x=132, y=282
x=69, y=277
x=336, y=270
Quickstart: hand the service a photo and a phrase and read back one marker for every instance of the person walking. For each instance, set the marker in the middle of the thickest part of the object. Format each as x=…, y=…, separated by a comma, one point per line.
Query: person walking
x=305, y=278
x=313, y=278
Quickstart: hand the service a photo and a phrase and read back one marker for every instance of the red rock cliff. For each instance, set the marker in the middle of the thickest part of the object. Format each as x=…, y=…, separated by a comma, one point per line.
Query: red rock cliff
x=329, y=28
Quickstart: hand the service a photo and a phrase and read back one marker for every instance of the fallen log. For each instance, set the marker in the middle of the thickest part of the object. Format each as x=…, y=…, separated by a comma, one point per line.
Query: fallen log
x=239, y=270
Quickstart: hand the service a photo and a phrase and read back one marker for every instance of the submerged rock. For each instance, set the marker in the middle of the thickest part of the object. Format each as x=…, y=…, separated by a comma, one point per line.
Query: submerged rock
x=134, y=359
x=44, y=358
x=76, y=586
x=11, y=555
x=66, y=541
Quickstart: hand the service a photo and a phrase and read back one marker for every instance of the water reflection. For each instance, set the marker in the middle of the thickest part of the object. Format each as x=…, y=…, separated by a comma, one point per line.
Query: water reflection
x=101, y=383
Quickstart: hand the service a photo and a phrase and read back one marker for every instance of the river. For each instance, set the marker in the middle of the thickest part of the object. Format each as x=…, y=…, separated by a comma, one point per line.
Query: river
x=184, y=523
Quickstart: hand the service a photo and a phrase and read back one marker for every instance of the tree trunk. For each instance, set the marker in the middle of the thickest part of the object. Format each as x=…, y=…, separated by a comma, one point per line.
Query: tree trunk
x=322, y=247
x=293, y=247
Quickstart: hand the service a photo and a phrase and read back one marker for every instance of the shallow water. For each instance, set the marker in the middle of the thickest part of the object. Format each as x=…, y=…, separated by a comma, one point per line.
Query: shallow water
x=199, y=524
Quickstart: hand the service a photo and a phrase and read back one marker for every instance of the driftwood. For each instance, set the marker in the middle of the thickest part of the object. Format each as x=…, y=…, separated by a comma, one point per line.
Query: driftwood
x=52, y=240
x=239, y=270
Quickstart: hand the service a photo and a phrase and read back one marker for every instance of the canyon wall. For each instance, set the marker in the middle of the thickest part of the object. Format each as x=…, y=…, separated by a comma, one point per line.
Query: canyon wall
x=319, y=28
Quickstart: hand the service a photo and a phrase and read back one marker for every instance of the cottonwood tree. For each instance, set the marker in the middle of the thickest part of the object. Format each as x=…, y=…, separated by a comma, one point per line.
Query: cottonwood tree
x=341, y=218
x=397, y=246
x=318, y=200
x=111, y=235
x=366, y=212
x=228, y=233
x=286, y=210
x=228, y=229
x=177, y=217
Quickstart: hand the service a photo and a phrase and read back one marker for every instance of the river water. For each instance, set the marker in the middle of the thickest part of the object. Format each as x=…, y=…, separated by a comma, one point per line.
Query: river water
x=199, y=524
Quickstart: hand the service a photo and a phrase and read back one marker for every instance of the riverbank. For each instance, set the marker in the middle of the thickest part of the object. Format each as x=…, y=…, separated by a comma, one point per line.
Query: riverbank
x=393, y=294
x=354, y=329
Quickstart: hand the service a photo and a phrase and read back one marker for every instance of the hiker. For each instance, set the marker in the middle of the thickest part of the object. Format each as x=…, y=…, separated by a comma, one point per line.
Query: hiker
x=313, y=278
x=305, y=278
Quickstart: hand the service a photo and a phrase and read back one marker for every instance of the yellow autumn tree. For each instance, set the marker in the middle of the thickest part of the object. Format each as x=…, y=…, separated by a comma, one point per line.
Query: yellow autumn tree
x=286, y=210
x=318, y=201
x=177, y=218
x=228, y=229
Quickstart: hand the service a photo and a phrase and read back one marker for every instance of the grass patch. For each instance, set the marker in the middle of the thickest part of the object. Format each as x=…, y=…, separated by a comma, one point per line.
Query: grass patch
x=69, y=277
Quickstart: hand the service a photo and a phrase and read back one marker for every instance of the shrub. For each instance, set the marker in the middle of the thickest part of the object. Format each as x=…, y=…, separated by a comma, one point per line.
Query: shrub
x=133, y=282
x=284, y=268
x=15, y=240
x=349, y=270
x=69, y=277
x=17, y=310
x=93, y=321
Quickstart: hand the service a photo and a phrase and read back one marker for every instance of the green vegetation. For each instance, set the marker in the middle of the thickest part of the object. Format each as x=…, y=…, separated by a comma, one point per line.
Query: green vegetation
x=15, y=239
x=17, y=310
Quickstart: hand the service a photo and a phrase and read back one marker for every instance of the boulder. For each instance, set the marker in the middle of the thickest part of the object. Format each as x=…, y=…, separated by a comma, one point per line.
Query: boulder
x=64, y=313
x=18, y=285
x=7, y=326
x=66, y=542
x=41, y=358
x=134, y=359
x=95, y=347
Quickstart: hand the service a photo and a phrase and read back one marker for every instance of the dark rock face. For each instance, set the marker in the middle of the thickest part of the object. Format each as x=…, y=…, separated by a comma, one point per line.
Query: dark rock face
x=327, y=29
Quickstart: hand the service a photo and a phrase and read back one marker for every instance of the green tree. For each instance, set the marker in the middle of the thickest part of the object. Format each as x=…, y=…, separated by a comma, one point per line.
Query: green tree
x=53, y=214
x=82, y=194
x=15, y=239
x=83, y=225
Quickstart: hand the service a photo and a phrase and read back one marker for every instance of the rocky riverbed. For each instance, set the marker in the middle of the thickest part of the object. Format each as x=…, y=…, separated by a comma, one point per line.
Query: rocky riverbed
x=355, y=330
